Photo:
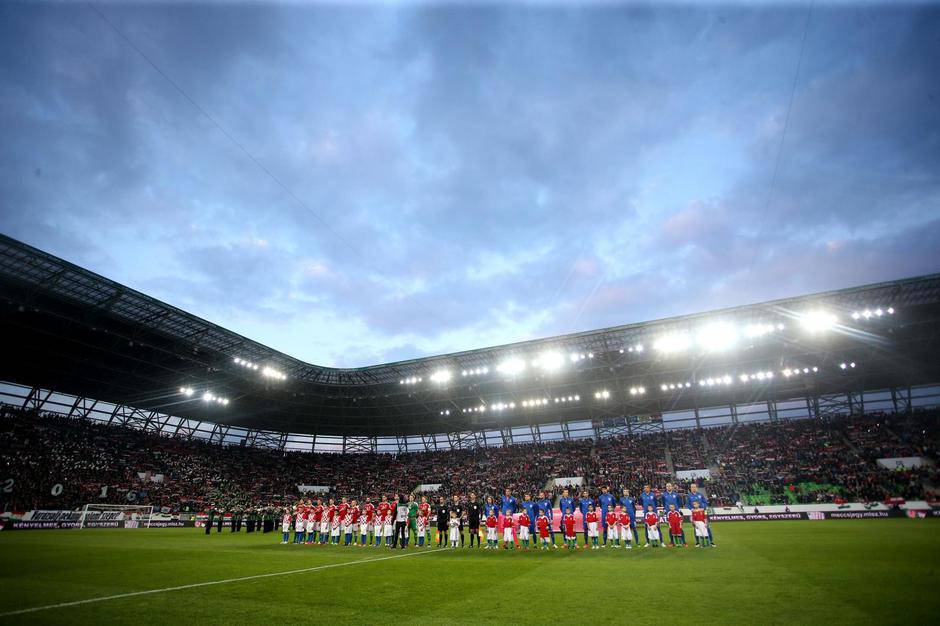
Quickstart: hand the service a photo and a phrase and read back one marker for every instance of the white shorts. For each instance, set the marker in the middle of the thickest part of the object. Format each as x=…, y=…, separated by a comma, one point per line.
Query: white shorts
x=490, y=534
x=626, y=534
x=311, y=526
x=652, y=533
x=334, y=532
x=285, y=528
x=455, y=534
x=324, y=527
x=507, y=533
x=347, y=529
x=299, y=527
x=701, y=529
x=613, y=532
x=524, y=533
x=388, y=530
x=592, y=529
x=377, y=529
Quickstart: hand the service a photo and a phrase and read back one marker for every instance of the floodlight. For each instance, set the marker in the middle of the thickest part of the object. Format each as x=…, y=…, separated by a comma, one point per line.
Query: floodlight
x=676, y=342
x=664, y=387
x=855, y=315
x=890, y=310
x=441, y=376
x=817, y=321
x=717, y=337
x=866, y=314
x=512, y=366
x=743, y=378
x=207, y=396
x=550, y=361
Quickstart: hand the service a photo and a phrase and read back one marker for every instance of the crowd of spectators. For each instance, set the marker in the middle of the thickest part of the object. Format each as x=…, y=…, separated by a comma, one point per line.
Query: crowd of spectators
x=53, y=461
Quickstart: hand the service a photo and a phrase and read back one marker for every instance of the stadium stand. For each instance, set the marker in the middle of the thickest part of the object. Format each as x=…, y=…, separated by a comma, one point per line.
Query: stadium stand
x=781, y=462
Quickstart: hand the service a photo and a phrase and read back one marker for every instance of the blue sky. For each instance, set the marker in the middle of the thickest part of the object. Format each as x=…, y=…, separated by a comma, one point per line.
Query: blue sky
x=451, y=177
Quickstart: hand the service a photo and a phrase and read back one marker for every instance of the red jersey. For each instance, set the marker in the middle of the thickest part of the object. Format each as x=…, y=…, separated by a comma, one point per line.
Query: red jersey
x=355, y=514
x=342, y=510
x=424, y=510
x=542, y=524
x=651, y=519
x=569, y=524
x=383, y=509
x=491, y=521
x=318, y=513
x=330, y=512
x=524, y=519
x=590, y=517
x=611, y=518
x=368, y=511
x=675, y=522
x=698, y=515
x=624, y=518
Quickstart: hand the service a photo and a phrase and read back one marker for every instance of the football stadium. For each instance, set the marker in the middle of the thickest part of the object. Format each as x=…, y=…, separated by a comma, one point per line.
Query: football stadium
x=508, y=313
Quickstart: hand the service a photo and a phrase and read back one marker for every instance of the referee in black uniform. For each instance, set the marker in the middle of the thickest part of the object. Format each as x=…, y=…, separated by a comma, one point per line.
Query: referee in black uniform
x=458, y=508
x=443, y=514
x=474, y=513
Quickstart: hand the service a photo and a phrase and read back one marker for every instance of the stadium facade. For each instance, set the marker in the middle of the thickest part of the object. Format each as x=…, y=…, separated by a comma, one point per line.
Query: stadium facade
x=92, y=348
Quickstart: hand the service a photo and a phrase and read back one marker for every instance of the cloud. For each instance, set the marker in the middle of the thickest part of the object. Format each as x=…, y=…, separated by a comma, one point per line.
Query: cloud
x=441, y=178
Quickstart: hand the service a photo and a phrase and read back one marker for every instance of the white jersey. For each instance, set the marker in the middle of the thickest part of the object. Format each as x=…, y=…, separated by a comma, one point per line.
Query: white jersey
x=285, y=523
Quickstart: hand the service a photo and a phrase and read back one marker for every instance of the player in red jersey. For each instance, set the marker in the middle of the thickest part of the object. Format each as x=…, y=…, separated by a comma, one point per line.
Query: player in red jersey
x=674, y=519
x=623, y=522
x=543, y=526
x=350, y=521
x=491, y=542
x=424, y=522
x=365, y=522
x=383, y=510
x=652, y=527
x=524, y=523
x=700, y=523
x=567, y=524
x=329, y=515
x=613, y=531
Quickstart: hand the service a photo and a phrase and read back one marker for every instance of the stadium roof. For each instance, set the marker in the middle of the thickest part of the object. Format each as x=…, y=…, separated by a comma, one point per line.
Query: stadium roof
x=70, y=330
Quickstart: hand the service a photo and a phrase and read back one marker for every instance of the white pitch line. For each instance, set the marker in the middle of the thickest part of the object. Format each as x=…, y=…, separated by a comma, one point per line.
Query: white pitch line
x=207, y=584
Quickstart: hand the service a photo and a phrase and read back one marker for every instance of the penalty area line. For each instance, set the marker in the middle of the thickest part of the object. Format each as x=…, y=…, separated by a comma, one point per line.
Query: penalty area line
x=147, y=592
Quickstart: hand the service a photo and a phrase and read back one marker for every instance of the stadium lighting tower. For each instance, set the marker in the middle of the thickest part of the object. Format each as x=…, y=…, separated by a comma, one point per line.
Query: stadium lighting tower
x=818, y=321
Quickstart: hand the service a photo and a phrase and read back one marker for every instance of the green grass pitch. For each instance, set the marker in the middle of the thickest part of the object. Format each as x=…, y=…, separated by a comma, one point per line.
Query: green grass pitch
x=834, y=571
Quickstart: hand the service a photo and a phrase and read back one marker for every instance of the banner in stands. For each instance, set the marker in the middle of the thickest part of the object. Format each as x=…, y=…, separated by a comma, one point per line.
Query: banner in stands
x=51, y=520
x=427, y=487
x=902, y=462
x=693, y=474
x=313, y=489
x=569, y=481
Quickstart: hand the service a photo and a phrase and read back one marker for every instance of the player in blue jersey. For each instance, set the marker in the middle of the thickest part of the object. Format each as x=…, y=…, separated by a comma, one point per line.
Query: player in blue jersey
x=672, y=497
x=531, y=509
x=695, y=496
x=565, y=502
x=585, y=502
x=545, y=504
x=509, y=503
x=629, y=506
x=509, y=506
x=647, y=500
x=607, y=502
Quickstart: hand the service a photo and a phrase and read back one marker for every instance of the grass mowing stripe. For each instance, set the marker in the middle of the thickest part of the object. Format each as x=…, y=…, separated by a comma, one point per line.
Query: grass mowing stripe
x=207, y=584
